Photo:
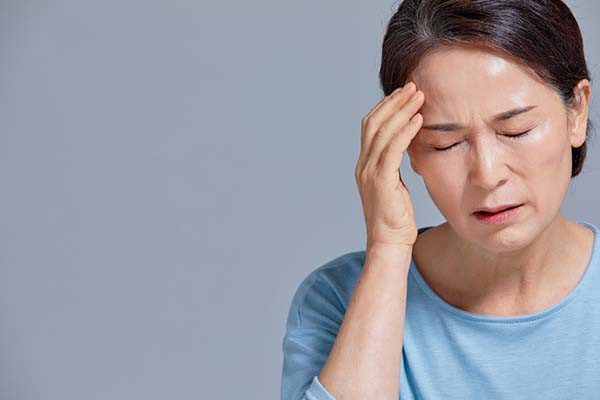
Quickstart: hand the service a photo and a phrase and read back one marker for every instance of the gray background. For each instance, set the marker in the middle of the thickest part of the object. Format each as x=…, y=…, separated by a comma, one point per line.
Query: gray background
x=170, y=172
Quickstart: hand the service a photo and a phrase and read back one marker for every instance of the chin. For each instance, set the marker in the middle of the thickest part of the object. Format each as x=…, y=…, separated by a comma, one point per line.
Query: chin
x=497, y=238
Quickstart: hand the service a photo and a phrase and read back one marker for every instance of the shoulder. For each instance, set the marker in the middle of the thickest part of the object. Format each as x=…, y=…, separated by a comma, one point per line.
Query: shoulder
x=324, y=293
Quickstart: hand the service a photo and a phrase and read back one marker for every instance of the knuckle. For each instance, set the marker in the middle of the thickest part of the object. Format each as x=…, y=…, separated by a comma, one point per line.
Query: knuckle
x=363, y=176
x=370, y=124
x=382, y=131
x=364, y=120
x=360, y=183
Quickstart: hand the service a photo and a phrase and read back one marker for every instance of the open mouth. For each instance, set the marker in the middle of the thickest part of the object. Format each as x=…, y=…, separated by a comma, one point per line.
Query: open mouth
x=498, y=217
x=497, y=212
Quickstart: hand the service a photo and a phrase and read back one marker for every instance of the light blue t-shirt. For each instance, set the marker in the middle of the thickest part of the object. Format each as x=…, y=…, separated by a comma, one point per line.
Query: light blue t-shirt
x=449, y=353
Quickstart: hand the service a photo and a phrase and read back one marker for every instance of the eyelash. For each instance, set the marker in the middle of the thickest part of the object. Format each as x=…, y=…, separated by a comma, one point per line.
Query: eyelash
x=518, y=135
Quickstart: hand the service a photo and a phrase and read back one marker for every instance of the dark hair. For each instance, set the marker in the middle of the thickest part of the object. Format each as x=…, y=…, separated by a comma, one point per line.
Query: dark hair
x=542, y=34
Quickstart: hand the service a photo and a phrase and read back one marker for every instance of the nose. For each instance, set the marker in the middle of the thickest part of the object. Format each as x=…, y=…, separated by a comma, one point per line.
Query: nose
x=488, y=168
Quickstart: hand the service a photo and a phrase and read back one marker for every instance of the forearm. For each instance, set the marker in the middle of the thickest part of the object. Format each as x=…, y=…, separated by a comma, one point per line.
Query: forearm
x=365, y=359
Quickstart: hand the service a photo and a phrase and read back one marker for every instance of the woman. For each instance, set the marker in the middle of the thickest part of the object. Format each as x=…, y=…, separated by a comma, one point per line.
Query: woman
x=490, y=100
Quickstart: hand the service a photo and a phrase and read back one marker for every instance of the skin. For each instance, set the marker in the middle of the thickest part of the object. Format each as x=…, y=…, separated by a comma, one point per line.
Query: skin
x=533, y=261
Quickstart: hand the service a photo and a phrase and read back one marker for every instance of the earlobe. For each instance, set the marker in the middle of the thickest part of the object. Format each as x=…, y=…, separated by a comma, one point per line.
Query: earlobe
x=578, y=118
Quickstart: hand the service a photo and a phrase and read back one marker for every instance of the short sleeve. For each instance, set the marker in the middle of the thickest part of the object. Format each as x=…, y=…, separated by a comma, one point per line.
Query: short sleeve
x=316, y=391
x=314, y=318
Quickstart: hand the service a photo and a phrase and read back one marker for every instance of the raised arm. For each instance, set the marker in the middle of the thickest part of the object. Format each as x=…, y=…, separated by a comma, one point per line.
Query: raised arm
x=365, y=358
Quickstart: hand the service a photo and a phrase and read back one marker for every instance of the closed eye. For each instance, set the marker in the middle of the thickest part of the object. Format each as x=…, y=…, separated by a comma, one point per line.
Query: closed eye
x=508, y=136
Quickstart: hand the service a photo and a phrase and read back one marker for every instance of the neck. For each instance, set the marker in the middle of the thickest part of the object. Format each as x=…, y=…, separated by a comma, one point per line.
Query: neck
x=529, y=276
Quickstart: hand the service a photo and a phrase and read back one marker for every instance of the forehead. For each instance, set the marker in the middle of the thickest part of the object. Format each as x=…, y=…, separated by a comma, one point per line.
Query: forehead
x=460, y=80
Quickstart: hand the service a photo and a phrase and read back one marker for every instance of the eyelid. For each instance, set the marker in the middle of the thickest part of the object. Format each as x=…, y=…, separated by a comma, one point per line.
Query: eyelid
x=517, y=134
x=512, y=136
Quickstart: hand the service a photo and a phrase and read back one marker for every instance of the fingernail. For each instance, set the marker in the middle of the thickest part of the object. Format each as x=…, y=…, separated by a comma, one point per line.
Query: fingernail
x=408, y=87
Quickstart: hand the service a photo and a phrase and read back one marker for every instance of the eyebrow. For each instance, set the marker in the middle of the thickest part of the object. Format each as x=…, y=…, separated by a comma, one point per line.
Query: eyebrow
x=498, y=117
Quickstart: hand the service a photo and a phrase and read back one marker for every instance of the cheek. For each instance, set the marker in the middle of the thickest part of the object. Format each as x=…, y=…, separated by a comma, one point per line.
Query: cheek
x=438, y=174
x=545, y=154
x=445, y=183
x=424, y=160
x=547, y=169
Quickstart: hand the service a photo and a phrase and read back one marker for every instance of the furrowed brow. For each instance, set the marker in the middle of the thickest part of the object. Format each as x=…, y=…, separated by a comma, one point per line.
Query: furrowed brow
x=451, y=127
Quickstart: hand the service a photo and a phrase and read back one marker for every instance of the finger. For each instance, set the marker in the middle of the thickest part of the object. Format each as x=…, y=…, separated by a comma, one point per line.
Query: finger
x=382, y=111
x=392, y=155
x=393, y=125
x=370, y=113
x=373, y=120
x=382, y=101
x=378, y=105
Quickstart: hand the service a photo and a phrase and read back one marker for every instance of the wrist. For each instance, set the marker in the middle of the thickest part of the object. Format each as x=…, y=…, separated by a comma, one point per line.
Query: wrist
x=393, y=255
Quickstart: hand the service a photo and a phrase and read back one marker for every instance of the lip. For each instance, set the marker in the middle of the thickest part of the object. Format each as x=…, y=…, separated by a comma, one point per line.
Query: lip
x=499, y=217
x=497, y=208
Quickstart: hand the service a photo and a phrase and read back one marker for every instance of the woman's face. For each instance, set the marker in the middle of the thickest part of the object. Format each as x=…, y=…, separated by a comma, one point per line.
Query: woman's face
x=465, y=89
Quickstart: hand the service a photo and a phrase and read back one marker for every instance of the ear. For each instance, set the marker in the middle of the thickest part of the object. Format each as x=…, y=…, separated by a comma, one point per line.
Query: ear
x=577, y=118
